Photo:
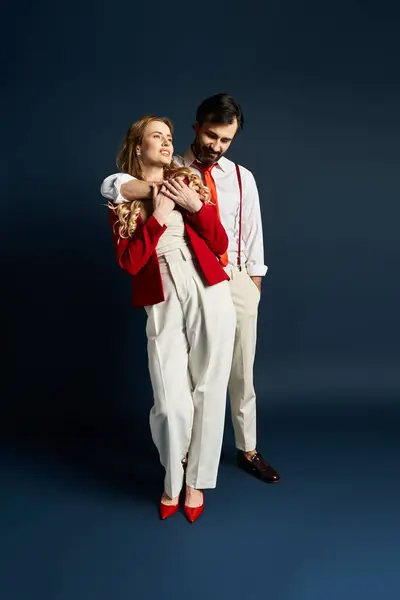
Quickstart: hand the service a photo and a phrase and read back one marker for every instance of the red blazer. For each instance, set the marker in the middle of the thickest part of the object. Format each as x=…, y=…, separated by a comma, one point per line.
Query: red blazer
x=138, y=256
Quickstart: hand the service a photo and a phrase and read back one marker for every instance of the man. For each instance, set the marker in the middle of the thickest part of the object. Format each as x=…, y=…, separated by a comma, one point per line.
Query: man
x=218, y=119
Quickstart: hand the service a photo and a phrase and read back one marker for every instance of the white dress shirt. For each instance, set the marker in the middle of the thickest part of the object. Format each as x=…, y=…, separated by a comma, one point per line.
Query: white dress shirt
x=227, y=185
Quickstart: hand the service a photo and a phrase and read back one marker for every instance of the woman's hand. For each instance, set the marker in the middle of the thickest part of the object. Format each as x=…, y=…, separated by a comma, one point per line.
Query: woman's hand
x=163, y=206
x=182, y=194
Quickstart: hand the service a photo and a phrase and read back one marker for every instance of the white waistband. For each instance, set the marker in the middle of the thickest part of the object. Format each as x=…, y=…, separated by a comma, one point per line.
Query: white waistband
x=177, y=255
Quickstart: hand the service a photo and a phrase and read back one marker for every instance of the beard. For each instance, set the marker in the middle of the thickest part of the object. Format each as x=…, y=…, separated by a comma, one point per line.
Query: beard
x=205, y=155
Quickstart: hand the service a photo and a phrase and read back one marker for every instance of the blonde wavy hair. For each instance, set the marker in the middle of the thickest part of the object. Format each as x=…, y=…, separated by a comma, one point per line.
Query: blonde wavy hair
x=128, y=162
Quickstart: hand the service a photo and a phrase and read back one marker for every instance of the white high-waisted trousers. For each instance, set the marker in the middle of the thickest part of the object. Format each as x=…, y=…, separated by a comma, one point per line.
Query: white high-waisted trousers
x=190, y=346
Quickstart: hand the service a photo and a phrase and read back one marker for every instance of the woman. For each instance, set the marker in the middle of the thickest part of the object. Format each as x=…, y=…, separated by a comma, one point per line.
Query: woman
x=170, y=247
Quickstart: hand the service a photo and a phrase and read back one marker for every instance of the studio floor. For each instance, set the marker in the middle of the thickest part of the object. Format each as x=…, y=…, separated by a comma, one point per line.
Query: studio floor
x=79, y=516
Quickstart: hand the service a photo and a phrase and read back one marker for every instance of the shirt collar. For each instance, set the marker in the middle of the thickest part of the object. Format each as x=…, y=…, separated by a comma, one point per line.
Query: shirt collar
x=189, y=158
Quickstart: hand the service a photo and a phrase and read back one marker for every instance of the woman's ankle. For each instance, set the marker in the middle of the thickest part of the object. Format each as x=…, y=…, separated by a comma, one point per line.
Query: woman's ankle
x=194, y=497
x=166, y=499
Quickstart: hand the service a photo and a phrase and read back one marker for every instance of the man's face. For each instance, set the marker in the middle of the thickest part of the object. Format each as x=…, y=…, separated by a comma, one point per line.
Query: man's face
x=212, y=141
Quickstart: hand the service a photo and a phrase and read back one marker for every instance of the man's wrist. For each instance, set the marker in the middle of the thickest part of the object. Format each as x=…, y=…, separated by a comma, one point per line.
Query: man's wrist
x=257, y=280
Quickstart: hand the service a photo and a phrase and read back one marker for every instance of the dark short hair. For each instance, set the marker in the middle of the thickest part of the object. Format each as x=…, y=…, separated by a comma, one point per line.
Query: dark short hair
x=221, y=108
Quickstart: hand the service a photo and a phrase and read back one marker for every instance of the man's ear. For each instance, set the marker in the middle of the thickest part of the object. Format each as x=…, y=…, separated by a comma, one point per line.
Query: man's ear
x=196, y=127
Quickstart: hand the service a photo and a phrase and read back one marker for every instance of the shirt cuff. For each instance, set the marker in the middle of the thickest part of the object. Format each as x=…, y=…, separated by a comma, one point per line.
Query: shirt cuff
x=110, y=188
x=256, y=270
x=123, y=178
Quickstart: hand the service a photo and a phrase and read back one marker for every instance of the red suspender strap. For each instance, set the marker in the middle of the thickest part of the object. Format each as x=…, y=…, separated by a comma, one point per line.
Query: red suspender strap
x=239, y=260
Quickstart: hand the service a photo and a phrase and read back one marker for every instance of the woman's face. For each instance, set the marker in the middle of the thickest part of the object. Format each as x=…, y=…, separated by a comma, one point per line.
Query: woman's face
x=156, y=148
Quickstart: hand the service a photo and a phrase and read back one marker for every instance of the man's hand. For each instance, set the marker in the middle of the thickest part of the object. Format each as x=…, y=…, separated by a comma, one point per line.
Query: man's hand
x=182, y=194
x=163, y=206
x=257, y=282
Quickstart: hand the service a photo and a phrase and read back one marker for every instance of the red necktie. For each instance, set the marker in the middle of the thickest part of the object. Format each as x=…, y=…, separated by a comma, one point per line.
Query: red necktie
x=210, y=183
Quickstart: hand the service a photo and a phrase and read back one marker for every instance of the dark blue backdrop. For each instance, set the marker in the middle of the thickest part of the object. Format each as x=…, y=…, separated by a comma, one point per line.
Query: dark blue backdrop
x=319, y=84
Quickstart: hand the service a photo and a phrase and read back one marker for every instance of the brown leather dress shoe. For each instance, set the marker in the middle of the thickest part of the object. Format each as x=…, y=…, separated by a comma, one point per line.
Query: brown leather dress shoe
x=258, y=466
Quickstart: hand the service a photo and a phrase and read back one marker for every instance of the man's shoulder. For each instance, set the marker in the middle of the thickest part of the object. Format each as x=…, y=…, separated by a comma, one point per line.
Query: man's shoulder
x=179, y=160
x=230, y=165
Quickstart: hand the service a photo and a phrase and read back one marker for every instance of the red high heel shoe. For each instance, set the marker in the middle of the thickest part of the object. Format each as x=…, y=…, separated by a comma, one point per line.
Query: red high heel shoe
x=167, y=510
x=193, y=512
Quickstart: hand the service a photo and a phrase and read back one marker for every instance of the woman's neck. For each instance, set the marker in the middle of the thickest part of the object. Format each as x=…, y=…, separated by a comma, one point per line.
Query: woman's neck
x=153, y=174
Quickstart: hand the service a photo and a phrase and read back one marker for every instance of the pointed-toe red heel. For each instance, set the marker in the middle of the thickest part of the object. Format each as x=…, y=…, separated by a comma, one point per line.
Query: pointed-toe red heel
x=193, y=512
x=167, y=510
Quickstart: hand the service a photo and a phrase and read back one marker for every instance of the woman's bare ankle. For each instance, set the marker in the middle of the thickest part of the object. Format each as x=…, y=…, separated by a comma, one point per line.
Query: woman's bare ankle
x=165, y=499
x=194, y=497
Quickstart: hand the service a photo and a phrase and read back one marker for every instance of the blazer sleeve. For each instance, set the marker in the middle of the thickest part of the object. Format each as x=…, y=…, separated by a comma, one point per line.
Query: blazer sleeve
x=209, y=227
x=132, y=254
